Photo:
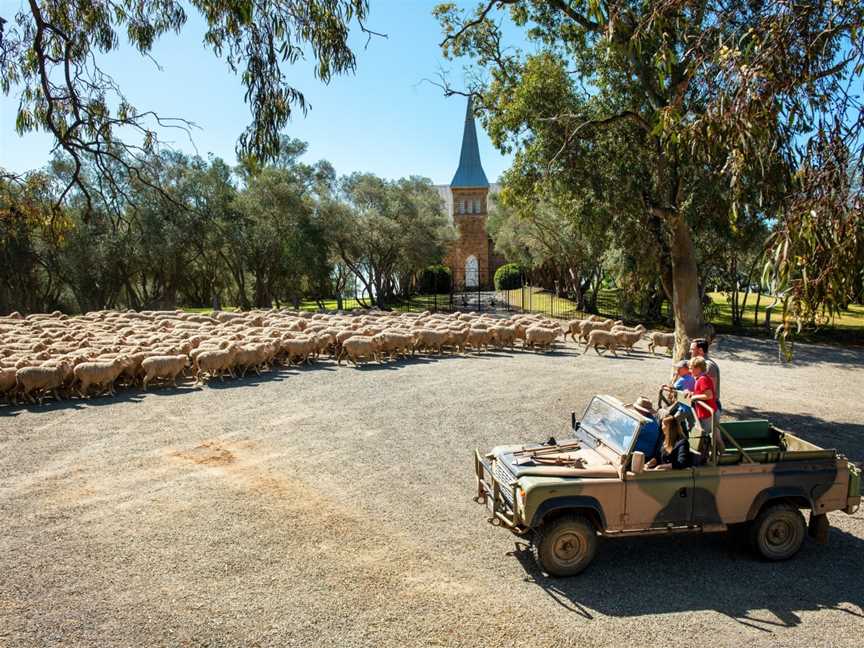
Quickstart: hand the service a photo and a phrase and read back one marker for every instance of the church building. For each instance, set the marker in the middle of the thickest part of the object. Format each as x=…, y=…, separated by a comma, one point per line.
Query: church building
x=471, y=258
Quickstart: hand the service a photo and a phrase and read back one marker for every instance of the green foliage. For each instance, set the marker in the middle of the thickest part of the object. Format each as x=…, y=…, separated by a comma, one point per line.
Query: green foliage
x=508, y=277
x=673, y=125
x=51, y=54
x=255, y=236
x=435, y=279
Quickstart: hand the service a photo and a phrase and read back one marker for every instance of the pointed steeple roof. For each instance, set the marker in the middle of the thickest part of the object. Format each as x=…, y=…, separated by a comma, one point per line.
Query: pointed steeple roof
x=470, y=172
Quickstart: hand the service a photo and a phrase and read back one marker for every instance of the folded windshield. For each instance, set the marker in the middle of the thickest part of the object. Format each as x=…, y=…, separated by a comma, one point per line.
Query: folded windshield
x=610, y=424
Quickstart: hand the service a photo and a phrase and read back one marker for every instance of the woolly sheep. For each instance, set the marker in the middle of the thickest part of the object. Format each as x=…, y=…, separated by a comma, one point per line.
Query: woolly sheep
x=357, y=348
x=164, y=367
x=603, y=338
x=215, y=362
x=540, y=337
x=659, y=339
x=101, y=373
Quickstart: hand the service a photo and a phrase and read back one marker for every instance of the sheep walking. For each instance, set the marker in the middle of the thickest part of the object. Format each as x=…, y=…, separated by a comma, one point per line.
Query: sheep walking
x=168, y=367
x=602, y=338
x=101, y=374
x=356, y=349
x=659, y=339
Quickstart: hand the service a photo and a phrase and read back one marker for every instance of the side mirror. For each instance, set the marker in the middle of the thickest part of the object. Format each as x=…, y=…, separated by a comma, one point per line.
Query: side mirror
x=637, y=463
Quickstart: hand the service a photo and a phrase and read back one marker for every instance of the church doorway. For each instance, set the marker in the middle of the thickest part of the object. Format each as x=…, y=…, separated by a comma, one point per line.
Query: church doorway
x=472, y=272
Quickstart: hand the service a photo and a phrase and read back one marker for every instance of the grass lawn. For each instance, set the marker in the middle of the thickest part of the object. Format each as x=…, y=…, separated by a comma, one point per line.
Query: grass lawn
x=852, y=319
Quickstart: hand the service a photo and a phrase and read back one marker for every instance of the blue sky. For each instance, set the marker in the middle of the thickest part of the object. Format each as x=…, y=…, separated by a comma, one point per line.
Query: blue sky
x=383, y=119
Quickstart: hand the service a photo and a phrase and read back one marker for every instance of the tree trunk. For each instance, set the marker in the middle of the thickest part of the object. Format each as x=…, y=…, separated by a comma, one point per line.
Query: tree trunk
x=686, y=305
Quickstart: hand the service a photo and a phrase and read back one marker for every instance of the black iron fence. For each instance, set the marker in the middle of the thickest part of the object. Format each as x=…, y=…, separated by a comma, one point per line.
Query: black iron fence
x=477, y=294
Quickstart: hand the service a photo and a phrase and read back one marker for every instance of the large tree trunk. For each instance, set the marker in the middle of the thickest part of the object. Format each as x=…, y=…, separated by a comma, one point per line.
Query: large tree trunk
x=686, y=305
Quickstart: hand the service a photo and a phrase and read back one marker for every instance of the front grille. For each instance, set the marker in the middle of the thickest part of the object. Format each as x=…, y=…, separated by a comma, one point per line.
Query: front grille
x=505, y=480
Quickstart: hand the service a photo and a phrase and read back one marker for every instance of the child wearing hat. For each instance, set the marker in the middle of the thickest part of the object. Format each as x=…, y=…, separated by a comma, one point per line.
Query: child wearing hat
x=684, y=380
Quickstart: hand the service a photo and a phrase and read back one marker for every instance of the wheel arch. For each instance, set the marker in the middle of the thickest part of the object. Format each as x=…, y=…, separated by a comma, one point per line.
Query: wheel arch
x=793, y=495
x=556, y=507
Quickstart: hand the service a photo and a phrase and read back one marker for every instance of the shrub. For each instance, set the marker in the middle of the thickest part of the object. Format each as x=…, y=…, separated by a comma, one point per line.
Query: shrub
x=435, y=279
x=508, y=277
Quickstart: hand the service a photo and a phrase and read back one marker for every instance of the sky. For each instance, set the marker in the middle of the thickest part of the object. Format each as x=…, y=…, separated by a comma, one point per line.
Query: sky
x=383, y=119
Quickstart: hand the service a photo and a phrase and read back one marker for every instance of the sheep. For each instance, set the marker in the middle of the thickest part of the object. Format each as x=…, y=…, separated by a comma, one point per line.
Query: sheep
x=479, y=338
x=606, y=339
x=659, y=339
x=590, y=325
x=298, y=349
x=627, y=339
x=356, y=348
x=574, y=327
x=627, y=329
x=430, y=340
x=541, y=337
x=504, y=336
x=101, y=373
x=393, y=342
x=8, y=381
x=164, y=367
x=215, y=362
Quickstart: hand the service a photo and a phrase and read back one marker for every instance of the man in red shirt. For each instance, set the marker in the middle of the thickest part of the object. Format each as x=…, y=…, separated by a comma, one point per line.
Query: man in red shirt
x=704, y=392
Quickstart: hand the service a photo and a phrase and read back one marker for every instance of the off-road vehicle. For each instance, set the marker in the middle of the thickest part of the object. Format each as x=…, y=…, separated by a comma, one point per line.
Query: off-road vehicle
x=563, y=495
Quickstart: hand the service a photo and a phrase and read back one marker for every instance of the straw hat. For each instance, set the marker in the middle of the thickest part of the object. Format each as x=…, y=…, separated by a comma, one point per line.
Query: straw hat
x=644, y=406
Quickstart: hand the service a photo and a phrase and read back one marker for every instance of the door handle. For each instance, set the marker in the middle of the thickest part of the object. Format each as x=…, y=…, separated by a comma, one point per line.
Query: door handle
x=682, y=492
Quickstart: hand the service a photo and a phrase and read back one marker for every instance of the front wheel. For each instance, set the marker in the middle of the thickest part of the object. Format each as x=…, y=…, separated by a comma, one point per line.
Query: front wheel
x=566, y=546
x=778, y=532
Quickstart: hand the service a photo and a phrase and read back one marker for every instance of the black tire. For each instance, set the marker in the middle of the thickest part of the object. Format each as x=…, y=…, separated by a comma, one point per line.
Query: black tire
x=565, y=546
x=778, y=532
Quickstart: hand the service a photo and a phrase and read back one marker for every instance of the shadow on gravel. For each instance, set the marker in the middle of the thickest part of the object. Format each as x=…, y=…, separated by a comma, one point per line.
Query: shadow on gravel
x=639, y=576
x=846, y=438
x=765, y=352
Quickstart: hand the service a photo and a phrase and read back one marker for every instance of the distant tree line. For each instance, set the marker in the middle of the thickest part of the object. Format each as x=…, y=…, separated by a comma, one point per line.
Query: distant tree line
x=251, y=235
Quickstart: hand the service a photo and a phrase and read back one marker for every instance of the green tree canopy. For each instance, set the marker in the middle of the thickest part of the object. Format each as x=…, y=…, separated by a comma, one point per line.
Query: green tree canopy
x=698, y=108
x=52, y=52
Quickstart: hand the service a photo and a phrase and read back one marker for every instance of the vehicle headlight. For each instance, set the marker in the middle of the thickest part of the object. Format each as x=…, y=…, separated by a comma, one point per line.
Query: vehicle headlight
x=520, y=498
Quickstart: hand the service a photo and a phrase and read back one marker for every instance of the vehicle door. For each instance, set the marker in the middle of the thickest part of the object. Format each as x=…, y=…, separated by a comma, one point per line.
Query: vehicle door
x=658, y=498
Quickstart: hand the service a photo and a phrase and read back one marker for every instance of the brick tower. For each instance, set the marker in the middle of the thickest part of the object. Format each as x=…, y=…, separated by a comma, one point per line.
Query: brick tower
x=470, y=256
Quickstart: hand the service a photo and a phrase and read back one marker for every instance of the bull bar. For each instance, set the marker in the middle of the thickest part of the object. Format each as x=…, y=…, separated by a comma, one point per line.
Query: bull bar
x=490, y=492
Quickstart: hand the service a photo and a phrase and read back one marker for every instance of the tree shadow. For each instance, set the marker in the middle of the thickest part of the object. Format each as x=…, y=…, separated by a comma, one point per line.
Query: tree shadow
x=765, y=352
x=639, y=576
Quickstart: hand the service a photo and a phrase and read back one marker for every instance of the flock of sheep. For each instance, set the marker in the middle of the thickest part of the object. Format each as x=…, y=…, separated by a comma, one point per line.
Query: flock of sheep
x=56, y=354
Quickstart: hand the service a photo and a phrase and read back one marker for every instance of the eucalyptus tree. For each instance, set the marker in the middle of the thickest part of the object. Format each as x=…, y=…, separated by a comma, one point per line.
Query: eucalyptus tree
x=52, y=54
x=706, y=90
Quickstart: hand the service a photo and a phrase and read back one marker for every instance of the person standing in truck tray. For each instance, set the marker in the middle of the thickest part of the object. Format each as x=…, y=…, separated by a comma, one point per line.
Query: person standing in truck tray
x=703, y=392
x=699, y=349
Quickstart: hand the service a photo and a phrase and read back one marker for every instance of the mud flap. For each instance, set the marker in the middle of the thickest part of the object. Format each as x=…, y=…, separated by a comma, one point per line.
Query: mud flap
x=818, y=528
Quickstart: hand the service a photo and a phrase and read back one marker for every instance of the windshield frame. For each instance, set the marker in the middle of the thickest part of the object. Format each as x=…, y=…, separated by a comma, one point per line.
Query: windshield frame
x=601, y=439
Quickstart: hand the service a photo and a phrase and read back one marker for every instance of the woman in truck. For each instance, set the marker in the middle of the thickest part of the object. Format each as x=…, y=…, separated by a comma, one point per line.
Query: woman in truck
x=674, y=452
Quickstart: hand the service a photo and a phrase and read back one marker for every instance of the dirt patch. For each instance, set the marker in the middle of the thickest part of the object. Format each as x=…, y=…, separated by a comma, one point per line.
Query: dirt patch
x=209, y=453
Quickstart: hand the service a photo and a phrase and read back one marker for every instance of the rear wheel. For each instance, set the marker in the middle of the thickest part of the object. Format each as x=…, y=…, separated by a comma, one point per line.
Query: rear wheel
x=566, y=546
x=778, y=532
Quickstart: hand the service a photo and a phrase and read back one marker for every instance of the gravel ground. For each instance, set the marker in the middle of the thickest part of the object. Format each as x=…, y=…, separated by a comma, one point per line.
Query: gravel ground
x=332, y=507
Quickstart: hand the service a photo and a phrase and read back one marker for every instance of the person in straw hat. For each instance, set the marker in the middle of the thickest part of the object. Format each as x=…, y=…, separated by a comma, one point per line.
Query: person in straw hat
x=648, y=440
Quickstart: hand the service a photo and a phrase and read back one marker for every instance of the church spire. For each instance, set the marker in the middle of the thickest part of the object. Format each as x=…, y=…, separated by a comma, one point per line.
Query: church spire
x=470, y=172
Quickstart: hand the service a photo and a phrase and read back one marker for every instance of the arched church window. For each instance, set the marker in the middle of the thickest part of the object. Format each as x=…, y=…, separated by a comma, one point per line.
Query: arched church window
x=472, y=272
x=476, y=206
x=468, y=206
x=461, y=206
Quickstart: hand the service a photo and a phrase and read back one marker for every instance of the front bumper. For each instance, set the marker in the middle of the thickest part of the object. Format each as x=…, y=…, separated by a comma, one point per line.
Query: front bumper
x=498, y=496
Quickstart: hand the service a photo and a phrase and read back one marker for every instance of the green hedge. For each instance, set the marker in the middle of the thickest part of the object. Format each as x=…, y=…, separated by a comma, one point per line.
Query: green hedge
x=436, y=279
x=508, y=277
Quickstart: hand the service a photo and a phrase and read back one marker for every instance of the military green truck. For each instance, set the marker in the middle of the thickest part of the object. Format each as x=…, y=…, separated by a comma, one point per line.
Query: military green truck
x=563, y=495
